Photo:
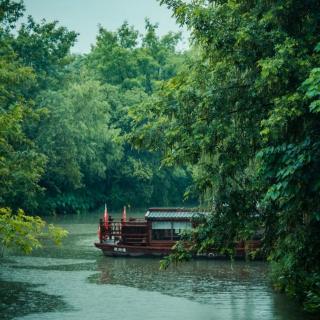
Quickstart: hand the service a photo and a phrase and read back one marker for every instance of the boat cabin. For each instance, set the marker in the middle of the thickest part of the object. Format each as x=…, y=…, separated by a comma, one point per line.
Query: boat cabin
x=156, y=234
x=160, y=227
x=165, y=225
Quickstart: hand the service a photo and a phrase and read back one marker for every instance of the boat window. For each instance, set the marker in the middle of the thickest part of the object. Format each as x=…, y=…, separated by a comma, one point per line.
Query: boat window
x=178, y=227
x=168, y=230
x=161, y=225
x=181, y=225
x=161, y=230
x=161, y=234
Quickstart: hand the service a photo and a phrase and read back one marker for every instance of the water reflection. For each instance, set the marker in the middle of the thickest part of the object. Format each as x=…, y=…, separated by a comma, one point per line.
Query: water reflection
x=236, y=290
x=19, y=299
x=202, y=281
x=77, y=282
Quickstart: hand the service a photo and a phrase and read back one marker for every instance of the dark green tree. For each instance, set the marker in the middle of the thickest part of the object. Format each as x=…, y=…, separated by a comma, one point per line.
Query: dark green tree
x=131, y=74
x=21, y=163
x=239, y=115
x=30, y=58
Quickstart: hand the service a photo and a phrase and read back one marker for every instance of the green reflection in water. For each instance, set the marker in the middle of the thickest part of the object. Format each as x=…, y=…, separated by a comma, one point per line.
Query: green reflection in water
x=77, y=282
x=19, y=299
x=201, y=280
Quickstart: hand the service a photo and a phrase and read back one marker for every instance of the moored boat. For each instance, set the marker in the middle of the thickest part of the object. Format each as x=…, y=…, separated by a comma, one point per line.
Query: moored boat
x=156, y=234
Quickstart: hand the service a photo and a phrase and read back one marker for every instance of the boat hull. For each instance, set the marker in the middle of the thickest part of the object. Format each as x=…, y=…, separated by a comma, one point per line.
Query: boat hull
x=116, y=250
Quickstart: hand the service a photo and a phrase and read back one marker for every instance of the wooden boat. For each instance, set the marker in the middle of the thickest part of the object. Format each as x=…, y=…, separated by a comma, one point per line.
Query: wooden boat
x=155, y=234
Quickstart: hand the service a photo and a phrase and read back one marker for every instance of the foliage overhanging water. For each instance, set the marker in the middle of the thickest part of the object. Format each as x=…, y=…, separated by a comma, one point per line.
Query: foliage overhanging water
x=77, y=282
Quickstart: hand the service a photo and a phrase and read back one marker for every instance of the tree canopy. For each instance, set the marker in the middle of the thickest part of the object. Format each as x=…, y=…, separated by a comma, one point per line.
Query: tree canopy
x=234, y=120
x=65, y=118
x=243, y=113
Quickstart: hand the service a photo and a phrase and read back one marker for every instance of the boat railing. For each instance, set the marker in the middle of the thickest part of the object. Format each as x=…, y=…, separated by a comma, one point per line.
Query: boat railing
x=115, y=230
x=134, y=220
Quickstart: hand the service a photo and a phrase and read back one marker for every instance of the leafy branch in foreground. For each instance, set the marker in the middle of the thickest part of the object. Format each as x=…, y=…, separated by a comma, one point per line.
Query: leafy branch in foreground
x=26, y=232
x=217, y=234
x=179, y=254
x=254, y=148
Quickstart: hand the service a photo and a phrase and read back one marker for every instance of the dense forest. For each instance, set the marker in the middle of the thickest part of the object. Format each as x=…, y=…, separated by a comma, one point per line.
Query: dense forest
x=65, y=118
x=233, y=121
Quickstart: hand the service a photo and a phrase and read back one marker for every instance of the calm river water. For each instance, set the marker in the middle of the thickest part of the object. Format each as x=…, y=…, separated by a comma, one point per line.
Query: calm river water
x=76, y=282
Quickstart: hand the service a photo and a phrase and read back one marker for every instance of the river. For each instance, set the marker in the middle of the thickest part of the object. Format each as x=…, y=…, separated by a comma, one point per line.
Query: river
x=75, y=281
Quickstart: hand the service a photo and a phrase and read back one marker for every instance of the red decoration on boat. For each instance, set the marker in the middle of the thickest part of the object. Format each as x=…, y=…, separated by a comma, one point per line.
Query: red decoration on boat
x=106, y=217
x=124, y=214
x=99, y=233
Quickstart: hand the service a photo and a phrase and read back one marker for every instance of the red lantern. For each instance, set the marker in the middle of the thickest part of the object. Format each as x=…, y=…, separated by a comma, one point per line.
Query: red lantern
x=106, y=217
x=124, y=214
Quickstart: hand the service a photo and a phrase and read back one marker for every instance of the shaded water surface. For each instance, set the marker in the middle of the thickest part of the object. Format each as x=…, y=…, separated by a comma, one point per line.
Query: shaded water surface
x=76, y=282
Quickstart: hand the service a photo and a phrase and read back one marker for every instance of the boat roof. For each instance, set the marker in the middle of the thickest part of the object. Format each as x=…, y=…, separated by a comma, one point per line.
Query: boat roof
x=173, y=213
